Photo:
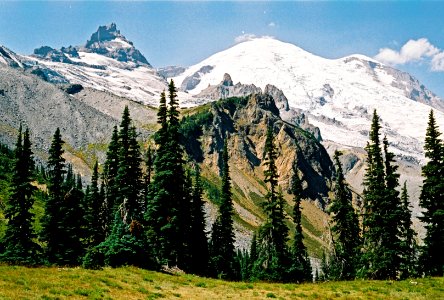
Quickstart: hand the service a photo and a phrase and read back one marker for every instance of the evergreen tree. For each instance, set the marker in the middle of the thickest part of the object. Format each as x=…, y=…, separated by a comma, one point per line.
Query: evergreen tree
x=52, y=226
x=19, y=240
x=168, y=204
x=71, y=229
x=273, y=254
x=432, y=201
x=374, y=193
x=126, y=243
x=158, y=215
x=300, y=268
x=222, y=250
x=198, y=241
x=129, y=173
x=345, y=229
x=94, y=211
x=382, y=207
x=149, y=171
x=408, y=247
x=111, y=186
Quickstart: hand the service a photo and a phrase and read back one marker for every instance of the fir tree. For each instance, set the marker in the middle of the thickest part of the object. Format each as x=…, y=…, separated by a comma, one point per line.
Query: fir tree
x=273, y=256
x=94, y=213
x=111, y=186
x=71, y=225
x=198, y=241
x=126, y=243
x=432, y=201
x=168, y=205
x=381, y=216
x=158, y=214
x=19, y=240
x=345, y=229
x=408, y=257
x=222, y=250
x=52, y=225
x=300, y=268
x=129, y=173
x=149, y=171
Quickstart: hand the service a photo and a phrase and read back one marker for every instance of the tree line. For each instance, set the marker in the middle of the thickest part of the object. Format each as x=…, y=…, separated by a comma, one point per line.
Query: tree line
x=148, y=211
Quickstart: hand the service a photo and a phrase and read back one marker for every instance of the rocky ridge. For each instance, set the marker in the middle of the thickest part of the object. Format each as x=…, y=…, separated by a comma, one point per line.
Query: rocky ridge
x=226, y=89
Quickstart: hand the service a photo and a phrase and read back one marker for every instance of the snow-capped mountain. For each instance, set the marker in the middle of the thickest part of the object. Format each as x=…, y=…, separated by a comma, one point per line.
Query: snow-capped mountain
x=338, y=95
x=107, y=62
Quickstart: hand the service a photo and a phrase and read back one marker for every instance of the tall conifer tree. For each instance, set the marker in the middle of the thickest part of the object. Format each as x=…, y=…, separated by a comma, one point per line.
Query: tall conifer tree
x=300, y=269
x=19, y=240
x=273, y=254
x=94, y=212
x=408, y=248
x=432, y=201
x=52, y=227
x=343, y=262
x=110, y=170
x=198, y=242
x=222, y=250
x=129, y=173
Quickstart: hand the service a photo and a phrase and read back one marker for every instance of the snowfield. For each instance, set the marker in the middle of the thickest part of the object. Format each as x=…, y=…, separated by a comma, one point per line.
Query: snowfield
x=338, y=95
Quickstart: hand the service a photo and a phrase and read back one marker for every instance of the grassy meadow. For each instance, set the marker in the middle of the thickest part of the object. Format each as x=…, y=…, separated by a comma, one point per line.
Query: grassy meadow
x=133, y=283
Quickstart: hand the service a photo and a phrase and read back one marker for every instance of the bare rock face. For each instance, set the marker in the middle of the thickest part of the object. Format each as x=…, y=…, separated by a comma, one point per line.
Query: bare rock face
x=226, y=89
x=9, y=58
x=108, y=41
x=244, y=122
x=190, y=82
x=227, y=80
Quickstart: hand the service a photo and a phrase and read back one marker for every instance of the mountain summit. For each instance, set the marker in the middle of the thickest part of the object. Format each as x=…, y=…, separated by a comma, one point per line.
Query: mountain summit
x=108, y=41
x=337, y=95
x=108, y=61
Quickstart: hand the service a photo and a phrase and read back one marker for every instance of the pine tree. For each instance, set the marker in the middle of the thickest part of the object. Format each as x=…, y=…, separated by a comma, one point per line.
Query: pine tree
x=432, y=201
x=19, y=240
x=222, y=250
x=111, y=186
x=300, y=268
x=345, y=229
x=273, y=254
x=198, y=241
x=407, y=235
x=52, y=226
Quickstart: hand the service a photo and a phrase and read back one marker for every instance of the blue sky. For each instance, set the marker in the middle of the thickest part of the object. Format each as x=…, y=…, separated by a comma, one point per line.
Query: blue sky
x=184, y=33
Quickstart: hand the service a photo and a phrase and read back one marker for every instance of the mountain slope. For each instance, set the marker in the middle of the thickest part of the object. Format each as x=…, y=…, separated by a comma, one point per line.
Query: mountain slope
x=244, y=122
x=338, y=96
x=107, y=62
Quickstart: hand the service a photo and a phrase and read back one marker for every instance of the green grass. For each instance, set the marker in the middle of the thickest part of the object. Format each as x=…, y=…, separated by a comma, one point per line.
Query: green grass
x=133, y=283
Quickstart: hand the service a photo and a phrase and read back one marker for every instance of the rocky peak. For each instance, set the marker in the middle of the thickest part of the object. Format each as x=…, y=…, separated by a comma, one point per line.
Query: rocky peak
x=278, y=96
x=108, y=41
x=245, y=121
x=227, y=80
x=105, y=33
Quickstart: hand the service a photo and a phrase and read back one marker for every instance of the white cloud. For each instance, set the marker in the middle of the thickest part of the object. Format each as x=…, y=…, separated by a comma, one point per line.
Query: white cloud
x=437, y=63
x=413, y=51
x=272, y=24
x=244, y=37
